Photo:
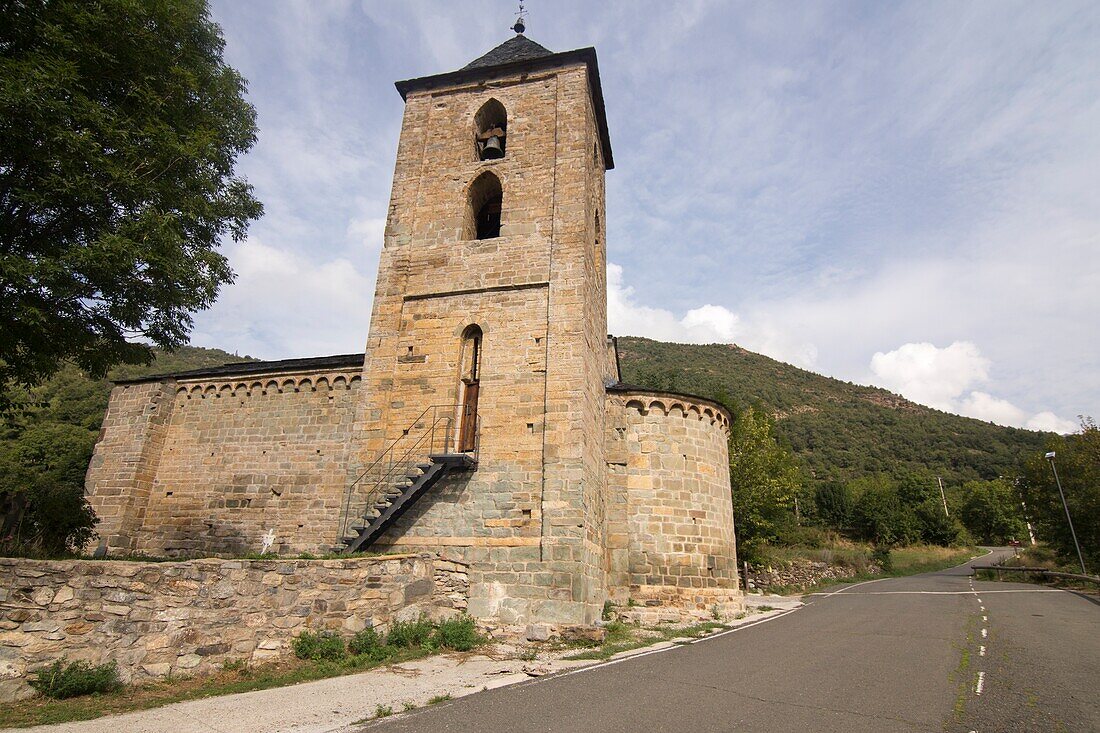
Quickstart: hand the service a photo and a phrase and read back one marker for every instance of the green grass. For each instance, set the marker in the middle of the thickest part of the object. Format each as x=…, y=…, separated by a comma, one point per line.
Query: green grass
x=42, y=711
x=625, y=637
x=439, y=698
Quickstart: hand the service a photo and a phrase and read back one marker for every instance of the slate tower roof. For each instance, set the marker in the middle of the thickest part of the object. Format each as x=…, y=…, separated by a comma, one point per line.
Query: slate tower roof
x=517, y=48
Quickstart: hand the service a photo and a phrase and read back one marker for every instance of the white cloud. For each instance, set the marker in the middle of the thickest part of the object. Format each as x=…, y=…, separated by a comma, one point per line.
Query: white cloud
x=985, y=406
x=285, y=304
x=703, y=325
x=944, y=378
x=1047, y=420
x=929, y=375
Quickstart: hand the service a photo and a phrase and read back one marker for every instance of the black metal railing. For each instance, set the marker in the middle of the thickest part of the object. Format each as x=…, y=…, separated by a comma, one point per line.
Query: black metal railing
x=432, y=433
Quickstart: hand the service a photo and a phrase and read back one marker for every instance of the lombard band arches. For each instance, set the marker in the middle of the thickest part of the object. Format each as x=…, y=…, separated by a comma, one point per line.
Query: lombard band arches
x=268, y=385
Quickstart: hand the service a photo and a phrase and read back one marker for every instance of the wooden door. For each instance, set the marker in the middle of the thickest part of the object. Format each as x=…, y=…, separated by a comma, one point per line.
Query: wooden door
x=467, y=441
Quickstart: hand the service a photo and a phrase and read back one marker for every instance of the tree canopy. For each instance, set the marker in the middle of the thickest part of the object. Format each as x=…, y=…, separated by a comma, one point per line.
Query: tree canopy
x=1077, y=458
x=120, y=127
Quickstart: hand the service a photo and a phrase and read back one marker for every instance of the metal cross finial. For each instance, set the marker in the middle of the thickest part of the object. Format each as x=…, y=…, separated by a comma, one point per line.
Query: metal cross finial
x=519, y=27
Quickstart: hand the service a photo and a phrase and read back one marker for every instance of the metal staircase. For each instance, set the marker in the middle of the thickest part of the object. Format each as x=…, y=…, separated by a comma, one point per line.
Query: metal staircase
x=404, y=472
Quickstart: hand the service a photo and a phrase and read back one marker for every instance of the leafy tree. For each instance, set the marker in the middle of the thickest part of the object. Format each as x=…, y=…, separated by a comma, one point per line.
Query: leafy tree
x=879, y=515
x=1078, y=462
x=834, y=504
x=991, y=511
x=764, y=480
x=120, y=126
x=45, y=443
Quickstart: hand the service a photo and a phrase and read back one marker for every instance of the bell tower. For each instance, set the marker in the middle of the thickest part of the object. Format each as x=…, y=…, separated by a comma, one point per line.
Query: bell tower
x=489, y=327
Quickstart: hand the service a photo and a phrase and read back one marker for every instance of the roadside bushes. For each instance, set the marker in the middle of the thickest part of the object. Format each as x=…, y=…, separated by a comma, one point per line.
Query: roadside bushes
x=70, y=679
x=457, y=634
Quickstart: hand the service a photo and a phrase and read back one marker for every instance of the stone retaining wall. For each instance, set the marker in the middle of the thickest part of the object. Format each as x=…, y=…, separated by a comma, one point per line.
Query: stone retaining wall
x=189, y=617
x=799, y=574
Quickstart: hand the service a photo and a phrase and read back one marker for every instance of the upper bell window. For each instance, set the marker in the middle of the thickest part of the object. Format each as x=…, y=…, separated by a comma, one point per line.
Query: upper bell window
x=483, y=207
x=491, y=122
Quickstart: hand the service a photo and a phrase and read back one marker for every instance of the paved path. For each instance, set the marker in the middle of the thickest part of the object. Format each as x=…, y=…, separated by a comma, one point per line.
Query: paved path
x=889, y=655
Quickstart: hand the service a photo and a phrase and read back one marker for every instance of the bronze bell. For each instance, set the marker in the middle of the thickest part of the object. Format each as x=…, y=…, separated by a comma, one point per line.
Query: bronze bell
x=492, y=149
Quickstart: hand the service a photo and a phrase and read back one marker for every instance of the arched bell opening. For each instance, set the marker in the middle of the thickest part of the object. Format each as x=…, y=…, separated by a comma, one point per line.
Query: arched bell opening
x=484, y=203
x=469, y=388
x=491, y=130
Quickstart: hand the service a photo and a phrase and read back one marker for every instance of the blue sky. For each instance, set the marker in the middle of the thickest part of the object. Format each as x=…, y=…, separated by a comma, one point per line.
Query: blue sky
x=900, y=194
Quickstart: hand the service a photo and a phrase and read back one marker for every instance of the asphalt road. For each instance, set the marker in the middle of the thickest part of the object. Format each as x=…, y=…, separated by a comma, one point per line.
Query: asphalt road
x=889, y=655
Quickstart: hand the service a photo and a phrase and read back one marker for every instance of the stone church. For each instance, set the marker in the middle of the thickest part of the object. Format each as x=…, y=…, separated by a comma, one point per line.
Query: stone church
x=487, y=420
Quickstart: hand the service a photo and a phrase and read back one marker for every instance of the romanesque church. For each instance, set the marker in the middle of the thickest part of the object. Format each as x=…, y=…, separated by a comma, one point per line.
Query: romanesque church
x=486, y=420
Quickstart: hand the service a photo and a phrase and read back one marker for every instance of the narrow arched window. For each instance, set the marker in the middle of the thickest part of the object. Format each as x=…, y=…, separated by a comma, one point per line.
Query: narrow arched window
x=469, y=388
x=485, y=199
x=491, y=130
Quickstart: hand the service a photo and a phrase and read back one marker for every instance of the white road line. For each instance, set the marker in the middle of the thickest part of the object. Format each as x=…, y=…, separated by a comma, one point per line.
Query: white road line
x=985, y=633
x=639, y=655
x=983, y=608
x=981, y=683
x=981, y=651
x=985, y=618
x=827, y=595
x=933, y=592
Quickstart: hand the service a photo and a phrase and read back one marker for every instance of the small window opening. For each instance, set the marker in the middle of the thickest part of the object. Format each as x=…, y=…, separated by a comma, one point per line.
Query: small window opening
x=485, y=202
x=491, y=123
x=470, y=388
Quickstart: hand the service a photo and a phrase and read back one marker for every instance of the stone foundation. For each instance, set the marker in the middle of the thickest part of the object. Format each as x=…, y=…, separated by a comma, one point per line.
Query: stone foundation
x=186, y=618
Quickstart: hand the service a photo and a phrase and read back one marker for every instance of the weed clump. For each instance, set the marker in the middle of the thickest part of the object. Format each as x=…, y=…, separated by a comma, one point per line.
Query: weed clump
x=62, y=680
x=325, y=646
x=410, y=634
x=459, y=634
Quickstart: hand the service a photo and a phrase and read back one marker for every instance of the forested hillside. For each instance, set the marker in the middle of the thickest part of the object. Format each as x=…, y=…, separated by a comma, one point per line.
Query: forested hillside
x=840, y=431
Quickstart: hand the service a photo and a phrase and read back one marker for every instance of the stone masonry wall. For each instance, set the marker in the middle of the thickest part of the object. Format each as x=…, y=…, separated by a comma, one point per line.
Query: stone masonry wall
x=225, y=466
x=189, y=617
x=672, y=536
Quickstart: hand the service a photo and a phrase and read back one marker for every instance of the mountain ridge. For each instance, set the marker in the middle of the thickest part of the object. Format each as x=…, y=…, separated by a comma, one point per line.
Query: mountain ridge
x=840, y=430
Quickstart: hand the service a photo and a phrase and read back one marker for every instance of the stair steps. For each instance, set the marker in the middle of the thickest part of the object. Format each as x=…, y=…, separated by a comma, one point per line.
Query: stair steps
x=400, y=495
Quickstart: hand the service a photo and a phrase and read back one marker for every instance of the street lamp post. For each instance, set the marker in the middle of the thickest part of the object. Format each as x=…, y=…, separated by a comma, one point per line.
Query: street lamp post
x=1073, y=533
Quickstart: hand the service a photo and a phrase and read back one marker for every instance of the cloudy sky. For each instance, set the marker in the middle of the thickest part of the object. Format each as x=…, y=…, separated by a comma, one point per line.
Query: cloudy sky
x=899, y=194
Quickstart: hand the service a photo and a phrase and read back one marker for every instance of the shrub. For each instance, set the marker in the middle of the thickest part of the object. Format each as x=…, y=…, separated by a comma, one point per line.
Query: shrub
x=881, y=556
x=410, y=634
x=61, y=680
x=458, y=634
x=323, y=646
x=366, y=641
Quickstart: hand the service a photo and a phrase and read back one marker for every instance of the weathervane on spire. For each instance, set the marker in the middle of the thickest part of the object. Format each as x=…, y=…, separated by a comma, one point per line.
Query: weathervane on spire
x=519, y=27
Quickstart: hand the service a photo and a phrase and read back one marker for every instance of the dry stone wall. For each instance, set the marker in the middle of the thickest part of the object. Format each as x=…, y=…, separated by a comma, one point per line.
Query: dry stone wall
x=799, y=574
x=189, y=617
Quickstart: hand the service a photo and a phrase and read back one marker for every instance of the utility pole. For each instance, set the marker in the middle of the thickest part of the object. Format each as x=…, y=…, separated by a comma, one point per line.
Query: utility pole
x=1080, y=557
x=943, y=496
